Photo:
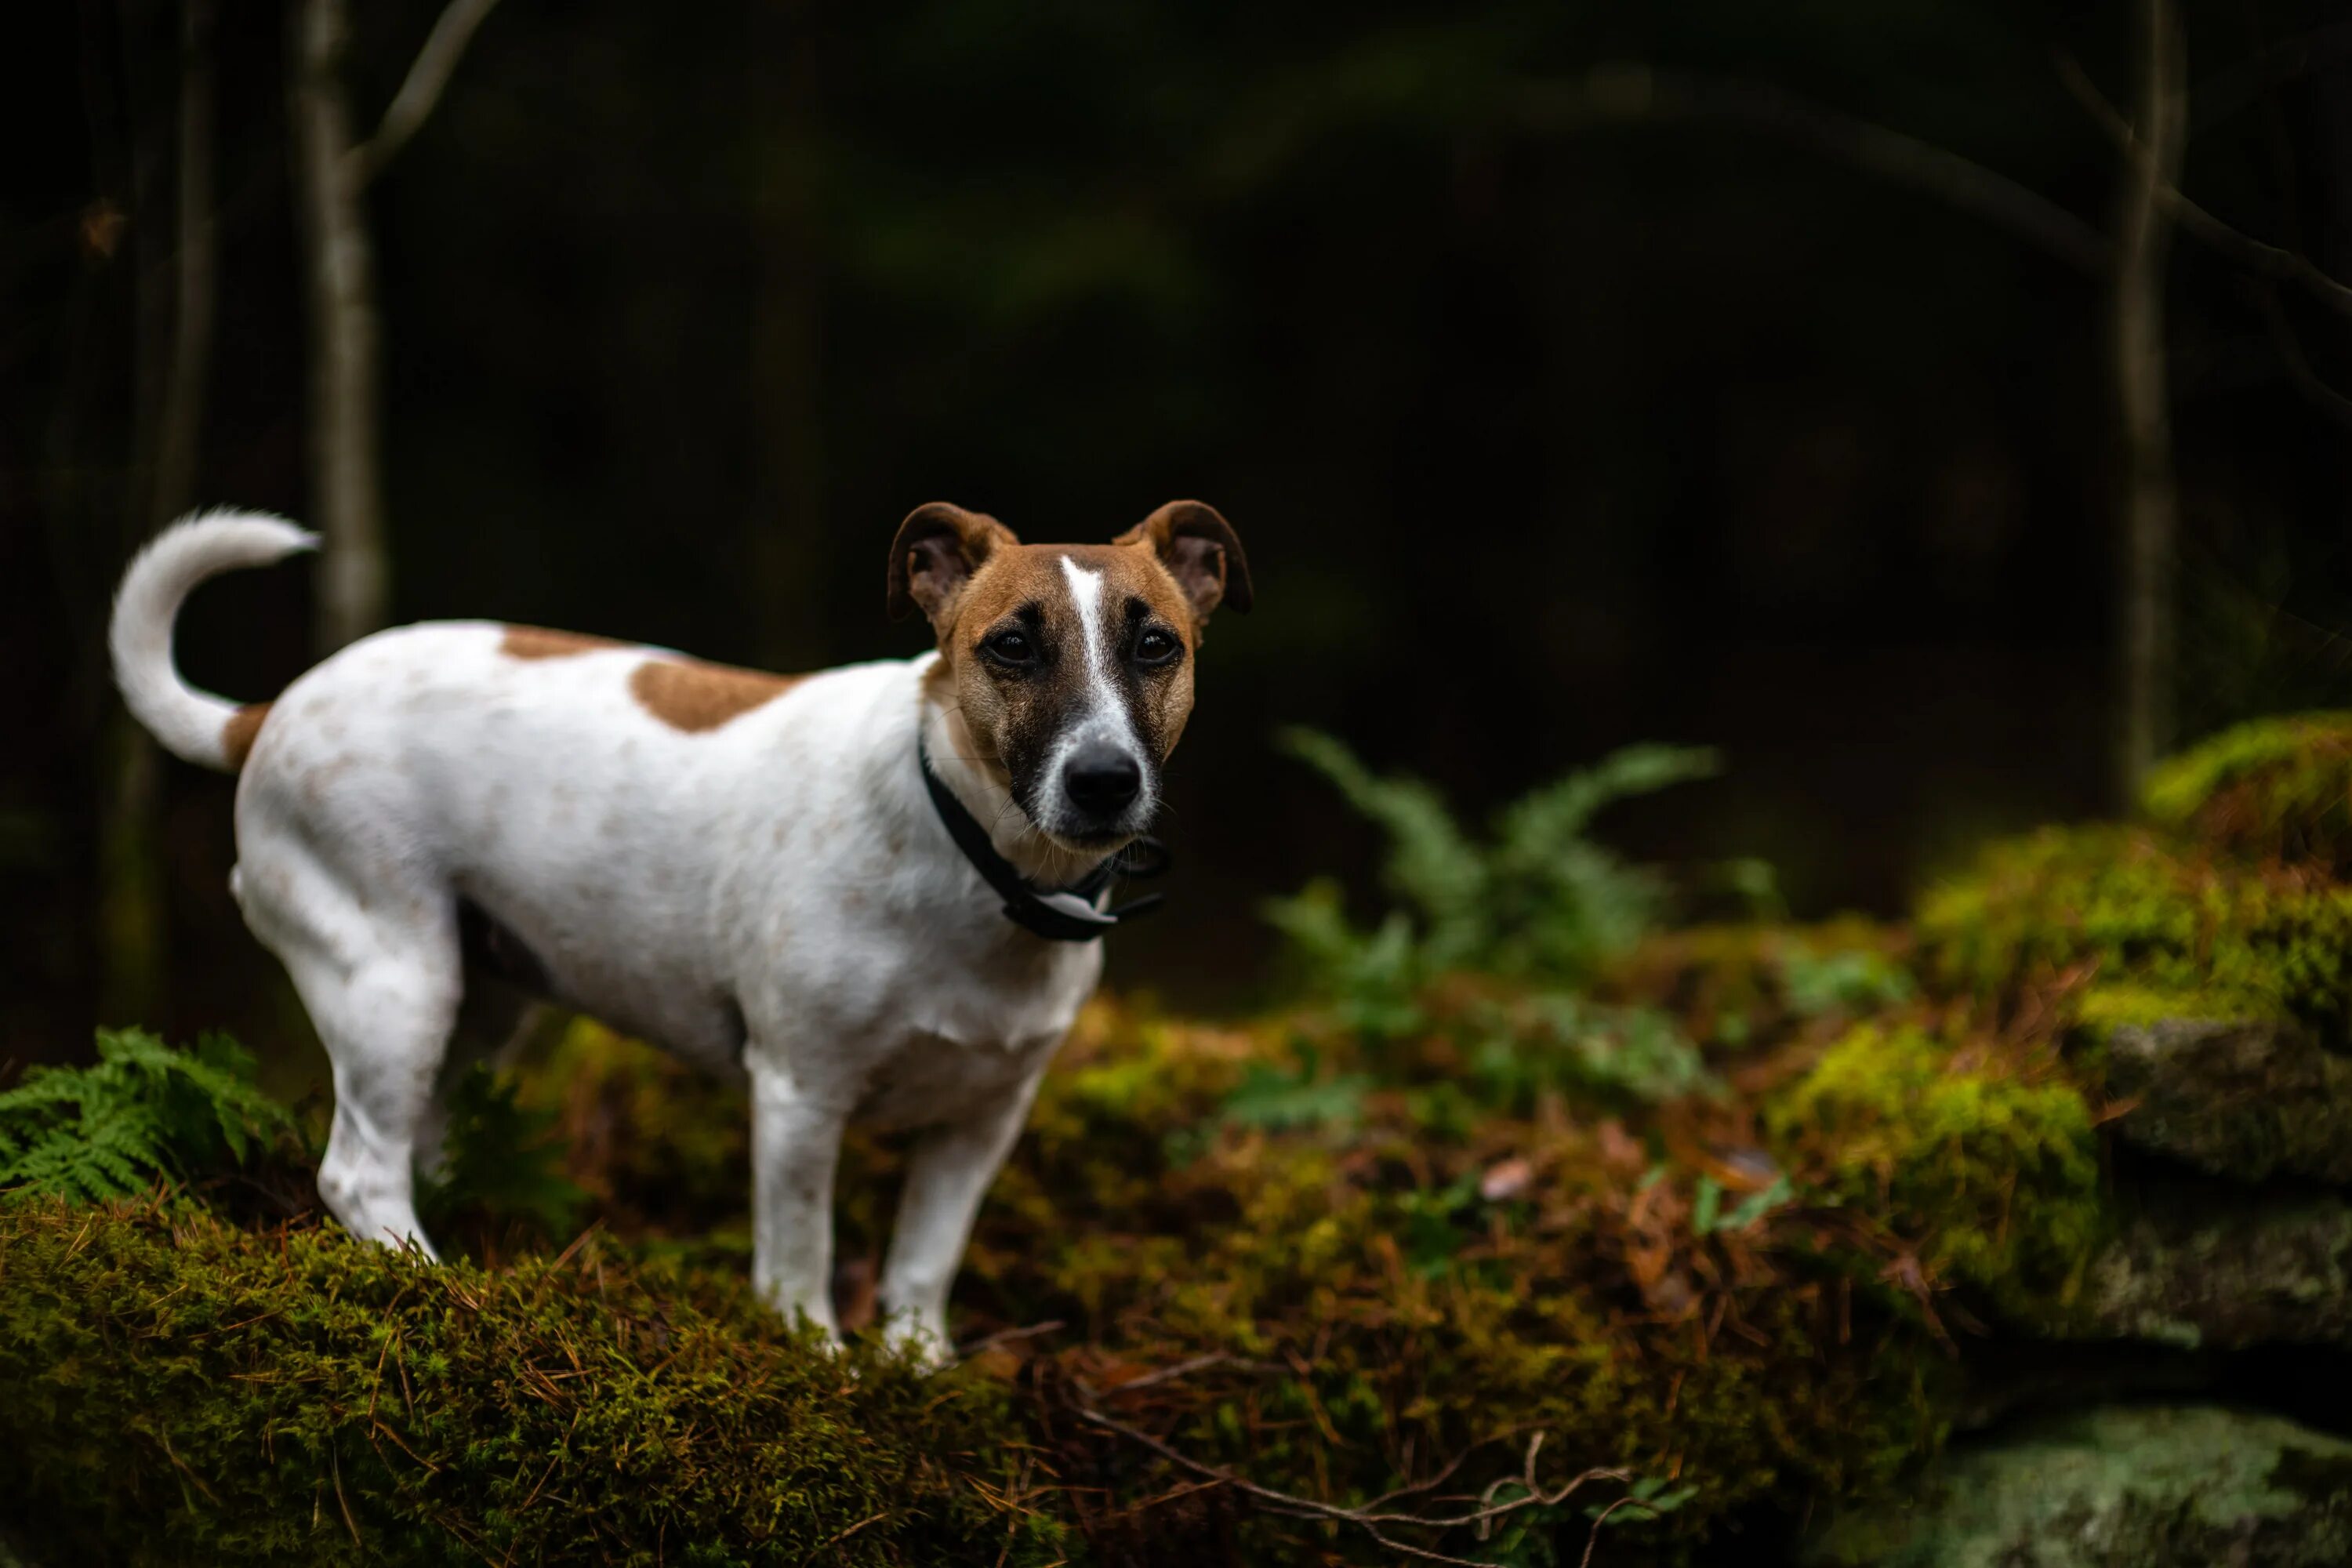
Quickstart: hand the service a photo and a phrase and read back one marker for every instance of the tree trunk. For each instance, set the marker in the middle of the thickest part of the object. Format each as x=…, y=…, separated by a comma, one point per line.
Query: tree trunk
x=346, y=480
x=786, y=537
x=2151, y=502
x=183, y=416
x=173, y=316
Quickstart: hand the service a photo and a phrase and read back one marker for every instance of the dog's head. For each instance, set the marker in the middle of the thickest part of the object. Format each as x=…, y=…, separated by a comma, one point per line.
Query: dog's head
x=1070, y=664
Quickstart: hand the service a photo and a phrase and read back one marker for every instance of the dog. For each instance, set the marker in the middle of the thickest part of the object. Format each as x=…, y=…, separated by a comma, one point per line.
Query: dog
x=876, y=892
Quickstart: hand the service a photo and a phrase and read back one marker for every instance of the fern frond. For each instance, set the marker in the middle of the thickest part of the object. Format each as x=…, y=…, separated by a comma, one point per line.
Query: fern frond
x=1431, y=862
x=143, y=1111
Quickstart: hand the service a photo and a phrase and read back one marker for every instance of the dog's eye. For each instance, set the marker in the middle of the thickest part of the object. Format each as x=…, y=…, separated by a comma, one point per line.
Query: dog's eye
x=1011, y=647
x=1155, y=646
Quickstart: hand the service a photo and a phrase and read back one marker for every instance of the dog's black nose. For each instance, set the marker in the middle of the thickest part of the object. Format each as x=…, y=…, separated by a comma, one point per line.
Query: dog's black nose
x=1102, y=780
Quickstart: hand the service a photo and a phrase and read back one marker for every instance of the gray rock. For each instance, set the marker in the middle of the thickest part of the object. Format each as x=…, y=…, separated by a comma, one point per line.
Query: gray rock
x=2248, y=1099
x=2222, y=1271
x=2125, y=1487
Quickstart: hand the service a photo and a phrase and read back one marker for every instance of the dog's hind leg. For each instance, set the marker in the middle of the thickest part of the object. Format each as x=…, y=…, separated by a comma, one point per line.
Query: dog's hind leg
x=381, y=977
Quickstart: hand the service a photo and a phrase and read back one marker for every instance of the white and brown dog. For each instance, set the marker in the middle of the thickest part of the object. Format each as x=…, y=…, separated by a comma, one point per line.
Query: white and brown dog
x=800, y=880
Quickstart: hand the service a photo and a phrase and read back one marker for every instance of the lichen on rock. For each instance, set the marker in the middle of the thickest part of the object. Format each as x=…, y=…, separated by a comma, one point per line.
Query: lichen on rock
x=2219, y=1085
x=2200, y=1267
x=2125, y=1487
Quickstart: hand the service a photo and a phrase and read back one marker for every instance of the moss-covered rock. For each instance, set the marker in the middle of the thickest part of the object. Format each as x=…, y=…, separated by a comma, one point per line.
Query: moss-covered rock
x=2131, y=1487
x=2229, y=1090
x=176, y=1389
x=1981, y=1156
x=2262, y=938
x=2278, y=789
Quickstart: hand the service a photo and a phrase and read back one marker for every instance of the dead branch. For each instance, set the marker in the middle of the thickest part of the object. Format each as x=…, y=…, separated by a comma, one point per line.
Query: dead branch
x=2306, y=380
x=420, y=90
x=1636, y=94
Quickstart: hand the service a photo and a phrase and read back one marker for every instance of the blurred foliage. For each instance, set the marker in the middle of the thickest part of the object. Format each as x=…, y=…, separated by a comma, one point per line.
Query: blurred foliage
x=1537, y=906
x=144, y=1109
x=1537, y=898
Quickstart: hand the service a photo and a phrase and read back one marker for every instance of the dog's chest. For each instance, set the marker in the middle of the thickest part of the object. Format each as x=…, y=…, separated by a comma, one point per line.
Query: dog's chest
x=967, y=1042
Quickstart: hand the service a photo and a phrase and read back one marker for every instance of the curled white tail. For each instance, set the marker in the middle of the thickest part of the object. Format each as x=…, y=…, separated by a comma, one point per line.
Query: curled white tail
x=192, y=724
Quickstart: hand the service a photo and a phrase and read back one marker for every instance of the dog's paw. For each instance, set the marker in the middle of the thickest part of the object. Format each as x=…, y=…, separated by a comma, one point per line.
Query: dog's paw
x=924, y=1342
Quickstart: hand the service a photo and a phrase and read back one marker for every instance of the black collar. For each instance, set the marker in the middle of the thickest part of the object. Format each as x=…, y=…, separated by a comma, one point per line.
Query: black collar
x=1067, y=914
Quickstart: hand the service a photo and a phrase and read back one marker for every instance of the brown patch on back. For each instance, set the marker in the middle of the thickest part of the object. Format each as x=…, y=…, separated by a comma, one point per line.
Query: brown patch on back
x=689, y=695
x=239, y=734
x=538, y=642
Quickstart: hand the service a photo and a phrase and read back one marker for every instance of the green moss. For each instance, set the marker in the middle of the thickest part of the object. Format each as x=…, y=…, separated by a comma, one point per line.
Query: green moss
x=1375, y=1316
x=1383, y=1316
x=2103, y=1008
x=2276, y=788
x=2123, y=901
x=176, y=1389
x=1352, y=1304
x=1988, y=1167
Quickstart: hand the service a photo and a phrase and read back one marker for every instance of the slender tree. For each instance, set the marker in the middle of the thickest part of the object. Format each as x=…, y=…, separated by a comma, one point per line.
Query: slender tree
x=2151, y=507
x=333, y=173
x=172, y=161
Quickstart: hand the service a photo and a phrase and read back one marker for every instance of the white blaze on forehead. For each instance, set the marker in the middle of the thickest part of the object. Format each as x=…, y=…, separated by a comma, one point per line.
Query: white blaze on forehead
x=1104, y=704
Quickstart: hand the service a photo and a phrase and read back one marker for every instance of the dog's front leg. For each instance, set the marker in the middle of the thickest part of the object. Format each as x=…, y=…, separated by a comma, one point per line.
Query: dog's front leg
x=795, y=1144
x=947, y=1176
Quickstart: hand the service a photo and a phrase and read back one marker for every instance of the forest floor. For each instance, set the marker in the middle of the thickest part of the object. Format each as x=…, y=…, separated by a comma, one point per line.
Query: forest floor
x=1536, y=1229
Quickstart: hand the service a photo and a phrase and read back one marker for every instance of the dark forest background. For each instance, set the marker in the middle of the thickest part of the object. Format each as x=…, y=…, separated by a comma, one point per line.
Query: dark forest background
x=1574, y=375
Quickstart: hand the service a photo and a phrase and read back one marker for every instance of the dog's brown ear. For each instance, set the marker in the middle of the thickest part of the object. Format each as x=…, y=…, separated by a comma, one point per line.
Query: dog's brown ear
x=1199, y=548
x=938, y=547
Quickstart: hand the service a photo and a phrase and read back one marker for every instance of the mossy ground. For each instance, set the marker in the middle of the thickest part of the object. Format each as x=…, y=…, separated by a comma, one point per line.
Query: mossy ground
x=177, y=1389
x=1337, y=1264
x=1706, y=1294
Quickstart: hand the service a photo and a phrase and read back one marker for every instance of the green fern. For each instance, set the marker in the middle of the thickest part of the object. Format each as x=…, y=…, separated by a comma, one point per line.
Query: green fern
x=1537, y=902
x=143, y=1110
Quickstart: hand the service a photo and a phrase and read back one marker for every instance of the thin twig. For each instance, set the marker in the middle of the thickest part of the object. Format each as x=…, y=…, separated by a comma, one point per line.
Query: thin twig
x=2306, y=380
x=343, y=1502
x=1170, y=1374
x=428, y=75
